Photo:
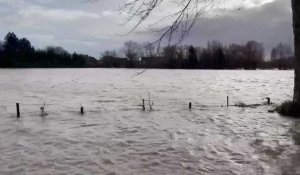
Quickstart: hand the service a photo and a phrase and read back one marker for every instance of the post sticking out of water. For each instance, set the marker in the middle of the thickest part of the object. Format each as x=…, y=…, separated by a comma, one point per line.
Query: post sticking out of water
x=143, y=104
x=18, y=110
x=190, y=105
x=43, y=110
x=268, y=100
x=81, y=110
x=227, y=101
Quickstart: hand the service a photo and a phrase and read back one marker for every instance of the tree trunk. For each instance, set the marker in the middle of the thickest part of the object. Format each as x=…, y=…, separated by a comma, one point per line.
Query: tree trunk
x=296, y=27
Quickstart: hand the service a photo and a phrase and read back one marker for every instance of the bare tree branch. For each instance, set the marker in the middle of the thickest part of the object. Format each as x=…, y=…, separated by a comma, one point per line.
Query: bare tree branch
x=182, y=20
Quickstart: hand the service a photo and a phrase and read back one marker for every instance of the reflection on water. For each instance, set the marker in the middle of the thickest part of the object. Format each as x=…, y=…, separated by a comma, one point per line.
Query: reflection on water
x=292, y=163
x=296, y=132
x=116, y=137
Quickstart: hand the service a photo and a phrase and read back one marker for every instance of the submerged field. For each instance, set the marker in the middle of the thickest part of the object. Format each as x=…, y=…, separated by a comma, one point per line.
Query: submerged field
x=116, y=137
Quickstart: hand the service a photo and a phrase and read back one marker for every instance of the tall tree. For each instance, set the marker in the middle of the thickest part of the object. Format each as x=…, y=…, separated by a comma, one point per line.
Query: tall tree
x=132, y=50
x=1, y=46
x=170, y=53
x=281, y=51
x=25, y=45
x=296, y=27
x=254, y=53
x=149, y=49
x=193, y=58
x=11, y=43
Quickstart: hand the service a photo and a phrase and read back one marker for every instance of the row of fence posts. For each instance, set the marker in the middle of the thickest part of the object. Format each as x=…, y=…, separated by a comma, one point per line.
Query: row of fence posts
x=190, y=103
x=18, y=110
x=82, y=111
x=268, y=102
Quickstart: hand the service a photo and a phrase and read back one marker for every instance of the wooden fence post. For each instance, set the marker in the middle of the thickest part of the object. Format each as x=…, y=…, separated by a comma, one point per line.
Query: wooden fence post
x=81, y=110
x=144, y=104
x=18, y=110
x=227, y=101
x=269, y=100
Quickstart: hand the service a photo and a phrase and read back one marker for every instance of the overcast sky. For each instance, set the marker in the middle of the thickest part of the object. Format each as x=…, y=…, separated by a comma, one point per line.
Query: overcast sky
x=92, y=26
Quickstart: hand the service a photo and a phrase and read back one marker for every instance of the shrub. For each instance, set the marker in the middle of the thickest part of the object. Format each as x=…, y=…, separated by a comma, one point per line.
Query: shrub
x=289, y=108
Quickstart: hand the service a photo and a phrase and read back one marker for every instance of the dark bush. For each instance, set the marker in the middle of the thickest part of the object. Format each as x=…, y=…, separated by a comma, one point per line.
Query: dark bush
x=289, y=108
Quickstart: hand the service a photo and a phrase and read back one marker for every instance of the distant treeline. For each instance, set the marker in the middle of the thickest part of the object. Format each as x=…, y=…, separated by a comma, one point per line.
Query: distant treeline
x=19, y=53
x=214, y=56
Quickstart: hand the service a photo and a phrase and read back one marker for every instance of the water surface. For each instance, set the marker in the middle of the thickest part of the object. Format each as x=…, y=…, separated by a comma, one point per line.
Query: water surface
x=116, y=137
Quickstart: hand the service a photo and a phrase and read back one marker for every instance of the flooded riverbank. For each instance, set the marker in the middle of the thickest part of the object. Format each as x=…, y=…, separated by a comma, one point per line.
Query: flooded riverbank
x=116, y=137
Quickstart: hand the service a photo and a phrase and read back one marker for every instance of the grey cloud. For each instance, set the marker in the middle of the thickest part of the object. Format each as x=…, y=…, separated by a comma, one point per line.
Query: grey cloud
x=270, y=23
x=70, y=24
x=92, y=27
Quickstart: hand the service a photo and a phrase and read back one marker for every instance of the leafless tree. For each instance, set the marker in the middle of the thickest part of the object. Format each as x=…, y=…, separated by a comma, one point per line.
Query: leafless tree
x=132, y=50
x=255, y=51
x=1, y=46
x=109, y=53
x=281, y=51
x=170, y=52
x=148, y=49
x=182, y=19
x=296, y=27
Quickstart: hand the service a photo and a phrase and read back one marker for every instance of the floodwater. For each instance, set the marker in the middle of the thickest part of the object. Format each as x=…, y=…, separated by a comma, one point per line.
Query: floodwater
x=115, y=136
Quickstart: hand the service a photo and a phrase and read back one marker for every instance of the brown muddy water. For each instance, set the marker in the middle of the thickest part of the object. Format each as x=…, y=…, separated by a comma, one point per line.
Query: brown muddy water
x=116, y=137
